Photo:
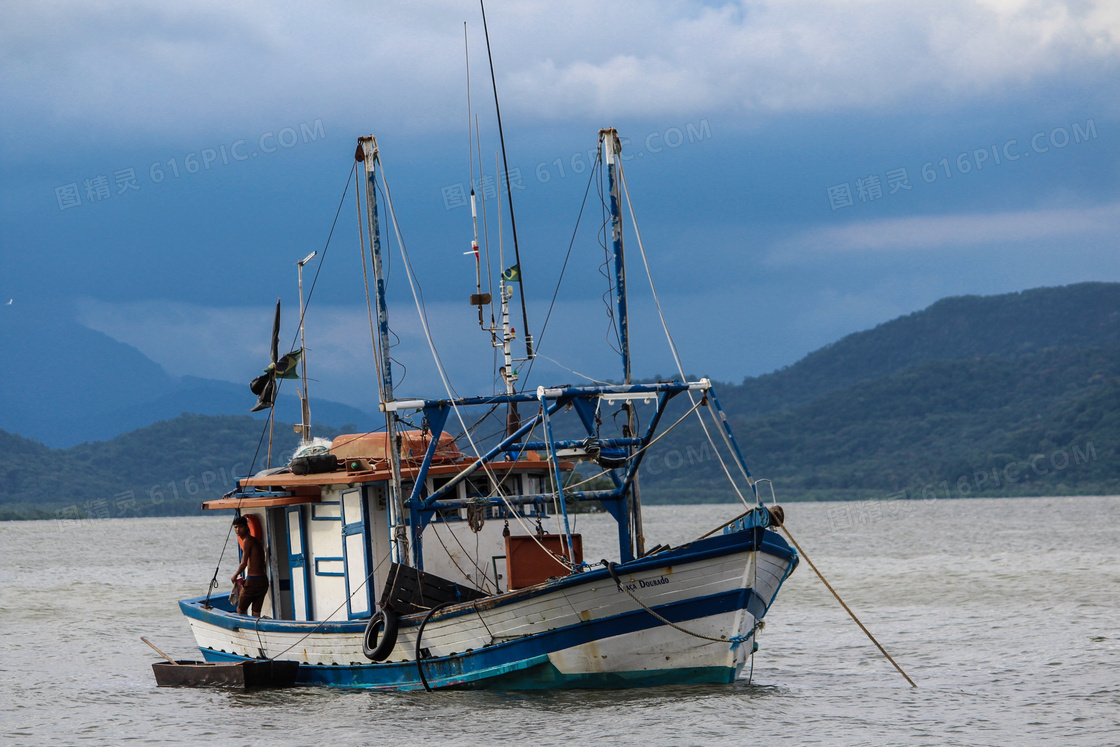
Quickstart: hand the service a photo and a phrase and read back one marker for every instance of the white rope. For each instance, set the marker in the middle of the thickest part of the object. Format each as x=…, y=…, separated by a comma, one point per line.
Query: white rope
x=538, y=354
x=673, y=345
x=734, y=640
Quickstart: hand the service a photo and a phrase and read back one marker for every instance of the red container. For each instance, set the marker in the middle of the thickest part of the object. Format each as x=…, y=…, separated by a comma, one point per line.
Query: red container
x=531, y=560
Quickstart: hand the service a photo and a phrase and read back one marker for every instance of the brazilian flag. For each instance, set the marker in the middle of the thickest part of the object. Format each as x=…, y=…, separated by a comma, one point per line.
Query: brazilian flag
x=286, y=367
x=512, y=275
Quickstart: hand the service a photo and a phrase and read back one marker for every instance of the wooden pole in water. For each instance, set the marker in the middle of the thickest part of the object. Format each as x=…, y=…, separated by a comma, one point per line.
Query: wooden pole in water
x=145, y=640
x=846, y=608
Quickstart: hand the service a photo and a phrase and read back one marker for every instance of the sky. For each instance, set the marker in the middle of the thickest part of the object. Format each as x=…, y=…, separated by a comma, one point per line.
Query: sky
x=798, y=170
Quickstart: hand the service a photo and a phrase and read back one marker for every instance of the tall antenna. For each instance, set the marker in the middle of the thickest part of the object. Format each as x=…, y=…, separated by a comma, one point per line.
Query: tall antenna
x=509, y=192
x=478, y=298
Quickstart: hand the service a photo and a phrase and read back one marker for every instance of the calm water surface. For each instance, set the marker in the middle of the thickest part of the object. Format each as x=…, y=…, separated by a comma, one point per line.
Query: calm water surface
x=1005, y=612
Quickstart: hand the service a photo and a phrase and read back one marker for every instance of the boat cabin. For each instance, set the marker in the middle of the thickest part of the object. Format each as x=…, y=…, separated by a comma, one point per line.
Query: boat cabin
x=328, y=532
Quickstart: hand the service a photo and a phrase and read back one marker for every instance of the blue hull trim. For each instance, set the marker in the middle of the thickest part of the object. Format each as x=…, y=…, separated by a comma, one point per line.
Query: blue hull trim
x=524, y=663
x=547, y=677
x=514, y=656
x=537, y=673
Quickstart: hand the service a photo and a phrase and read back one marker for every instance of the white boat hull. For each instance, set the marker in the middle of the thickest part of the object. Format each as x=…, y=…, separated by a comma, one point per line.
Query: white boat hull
x=686, y=615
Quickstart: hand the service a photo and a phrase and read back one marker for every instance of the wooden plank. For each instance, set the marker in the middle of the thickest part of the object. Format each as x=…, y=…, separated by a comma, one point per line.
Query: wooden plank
x=287, y=480
x=304, y=496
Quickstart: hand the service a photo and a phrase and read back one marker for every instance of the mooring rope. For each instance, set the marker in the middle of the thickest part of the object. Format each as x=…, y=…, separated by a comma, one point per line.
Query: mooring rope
x=820, y=575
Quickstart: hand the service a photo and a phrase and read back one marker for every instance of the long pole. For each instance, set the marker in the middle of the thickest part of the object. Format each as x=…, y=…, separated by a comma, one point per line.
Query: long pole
x=305, y=397
x=612, y=148
x=368, y=146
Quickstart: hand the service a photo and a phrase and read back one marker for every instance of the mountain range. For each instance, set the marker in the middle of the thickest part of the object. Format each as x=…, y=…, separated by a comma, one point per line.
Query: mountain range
x=65, y=384
x=1014, y=394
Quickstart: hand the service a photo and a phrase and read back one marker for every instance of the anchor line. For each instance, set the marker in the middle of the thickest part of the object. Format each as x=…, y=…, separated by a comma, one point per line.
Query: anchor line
x=846, y=608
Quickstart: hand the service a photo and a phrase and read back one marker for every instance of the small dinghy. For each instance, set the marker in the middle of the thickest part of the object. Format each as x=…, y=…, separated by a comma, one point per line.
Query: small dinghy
x=238, y=674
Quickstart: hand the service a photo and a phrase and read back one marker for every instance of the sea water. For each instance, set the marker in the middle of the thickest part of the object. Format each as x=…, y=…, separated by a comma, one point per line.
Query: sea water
x=1005, y=612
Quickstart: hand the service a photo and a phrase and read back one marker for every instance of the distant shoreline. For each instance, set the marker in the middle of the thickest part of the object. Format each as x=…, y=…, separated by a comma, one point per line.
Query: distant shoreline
x=5, y=516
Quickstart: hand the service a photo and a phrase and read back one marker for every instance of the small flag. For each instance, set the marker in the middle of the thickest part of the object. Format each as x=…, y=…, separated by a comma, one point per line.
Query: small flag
x=512, y=275
x=264, y=386
x=286, y=366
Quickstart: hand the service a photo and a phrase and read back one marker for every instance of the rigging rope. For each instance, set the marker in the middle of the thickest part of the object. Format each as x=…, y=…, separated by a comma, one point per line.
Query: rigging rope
x=279, y=382
x=733, y=640
x=673, y=348
x=847, y=609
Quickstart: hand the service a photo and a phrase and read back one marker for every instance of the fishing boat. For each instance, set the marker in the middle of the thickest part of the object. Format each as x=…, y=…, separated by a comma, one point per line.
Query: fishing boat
x=437, y=552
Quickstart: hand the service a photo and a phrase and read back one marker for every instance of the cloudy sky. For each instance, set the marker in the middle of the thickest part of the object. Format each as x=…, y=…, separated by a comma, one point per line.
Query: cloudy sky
x=799, y=170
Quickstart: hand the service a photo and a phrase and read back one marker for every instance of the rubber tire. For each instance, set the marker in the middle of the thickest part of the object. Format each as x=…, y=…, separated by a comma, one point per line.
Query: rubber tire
x=379, y=650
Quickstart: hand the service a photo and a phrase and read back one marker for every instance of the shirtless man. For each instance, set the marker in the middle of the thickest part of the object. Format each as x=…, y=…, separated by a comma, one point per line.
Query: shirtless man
x=255, y=584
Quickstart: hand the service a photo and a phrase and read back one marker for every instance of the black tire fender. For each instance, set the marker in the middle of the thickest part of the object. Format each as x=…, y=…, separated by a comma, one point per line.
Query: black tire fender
x=379, y=650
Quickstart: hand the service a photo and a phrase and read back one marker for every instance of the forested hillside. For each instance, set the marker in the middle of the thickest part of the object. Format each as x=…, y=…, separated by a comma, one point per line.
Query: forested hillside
x=165, y=469
x=1047, y=423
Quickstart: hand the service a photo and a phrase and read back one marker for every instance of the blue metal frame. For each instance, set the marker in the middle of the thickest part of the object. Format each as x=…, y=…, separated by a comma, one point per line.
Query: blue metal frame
x=436, y=417
x=422, y=505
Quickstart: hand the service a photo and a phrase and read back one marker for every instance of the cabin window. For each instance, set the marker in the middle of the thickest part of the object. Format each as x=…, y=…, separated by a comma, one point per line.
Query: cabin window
x=330, y=566
x=448, y=514
x=478, y=486
x=326, y=511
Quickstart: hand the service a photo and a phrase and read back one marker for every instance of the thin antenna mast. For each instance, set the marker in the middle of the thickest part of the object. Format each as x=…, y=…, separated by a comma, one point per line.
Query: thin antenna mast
x=509, y=192
x=479, y=298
